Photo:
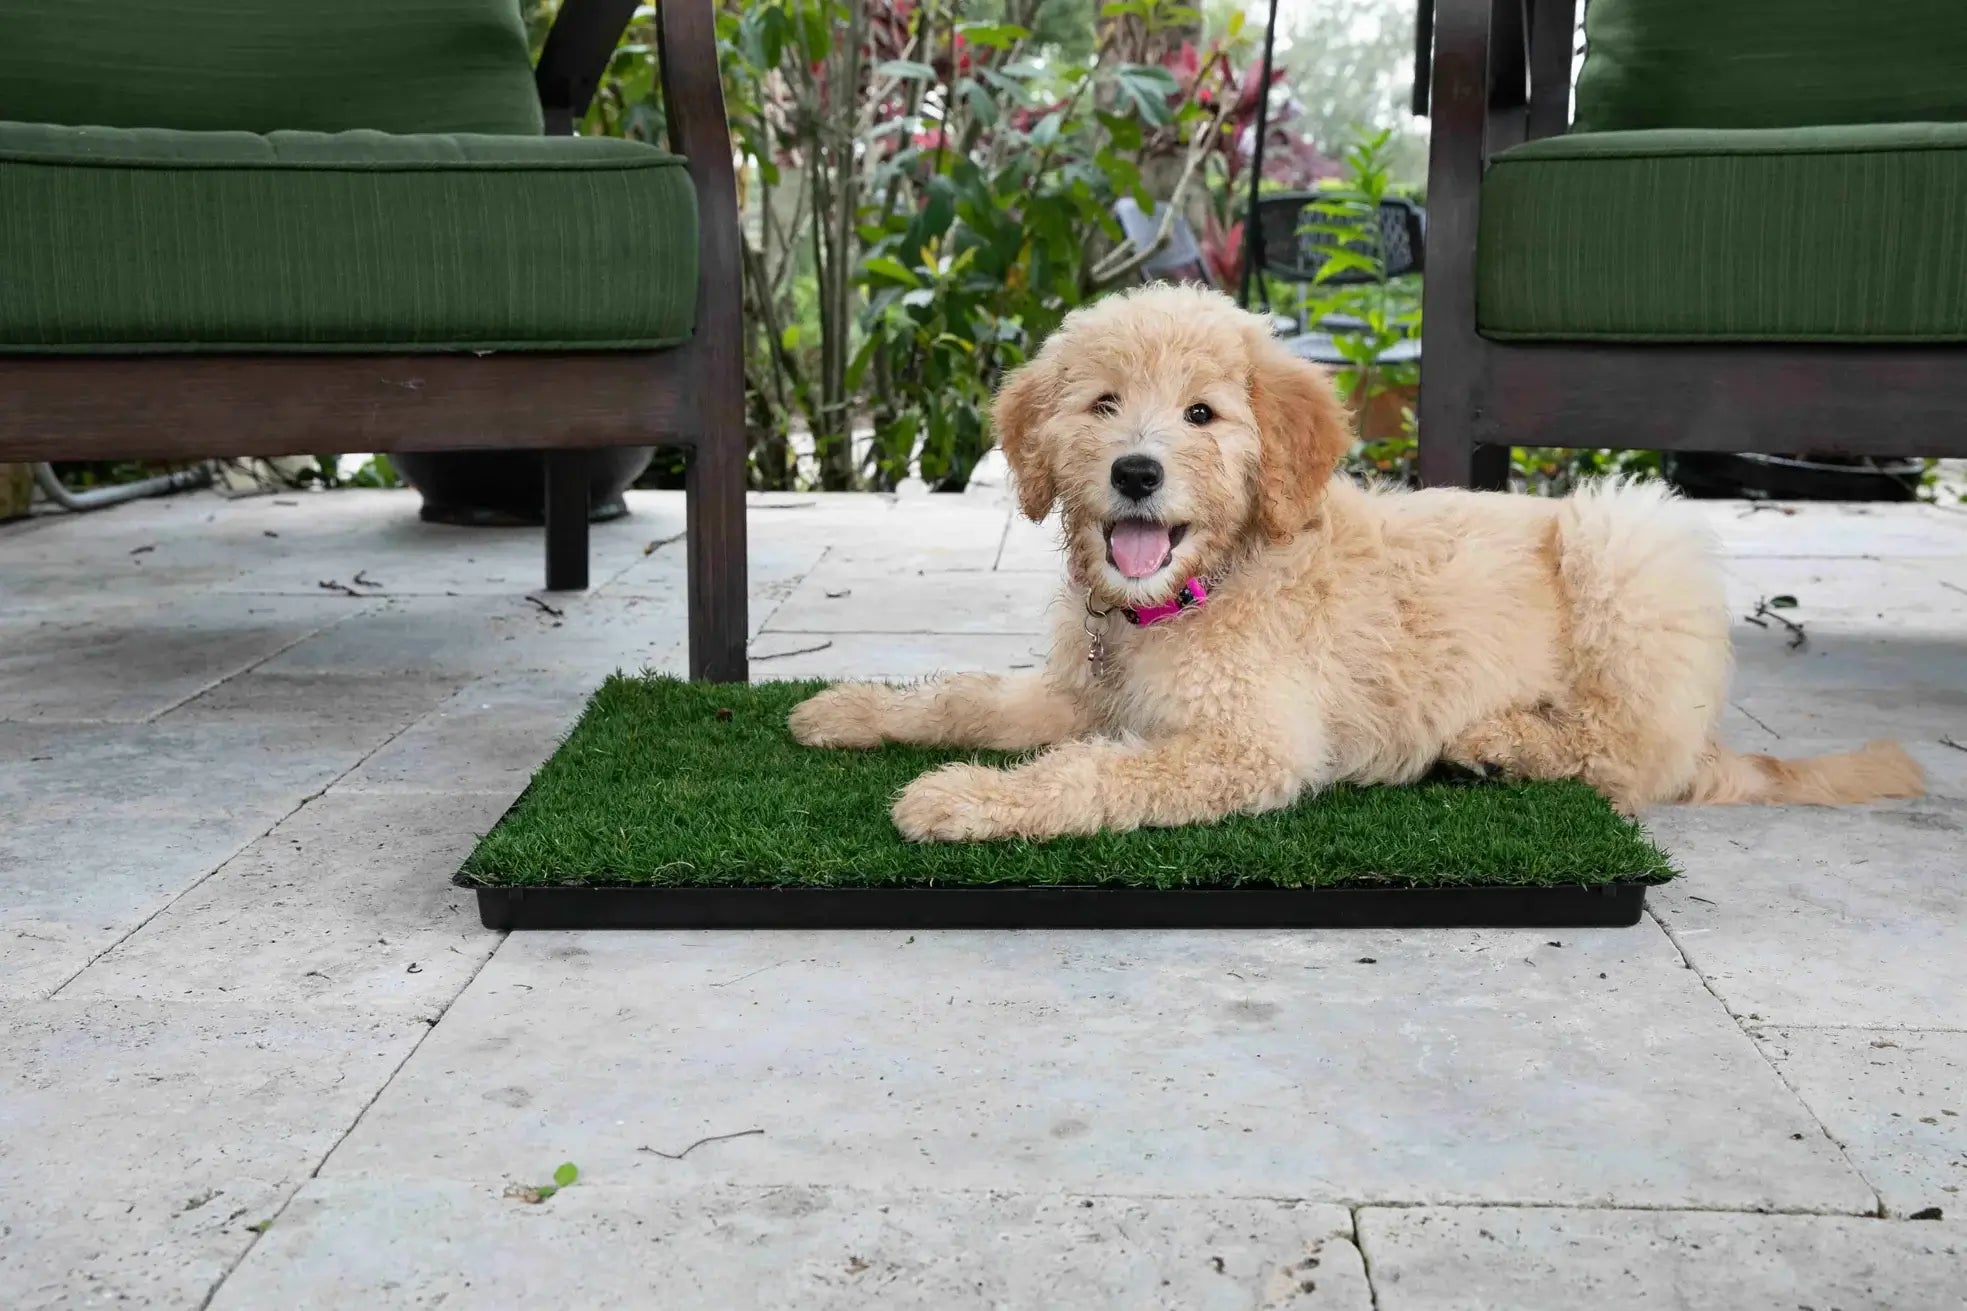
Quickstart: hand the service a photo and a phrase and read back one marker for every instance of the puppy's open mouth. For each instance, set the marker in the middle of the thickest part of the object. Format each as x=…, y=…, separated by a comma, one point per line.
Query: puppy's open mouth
x=1141, y=548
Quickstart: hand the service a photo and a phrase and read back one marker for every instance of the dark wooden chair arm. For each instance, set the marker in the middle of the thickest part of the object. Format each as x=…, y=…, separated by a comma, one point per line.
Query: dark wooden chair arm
x=575, y=57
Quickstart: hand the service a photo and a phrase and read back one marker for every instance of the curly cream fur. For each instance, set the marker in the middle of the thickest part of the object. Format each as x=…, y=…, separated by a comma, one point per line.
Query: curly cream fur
x=1356, y=635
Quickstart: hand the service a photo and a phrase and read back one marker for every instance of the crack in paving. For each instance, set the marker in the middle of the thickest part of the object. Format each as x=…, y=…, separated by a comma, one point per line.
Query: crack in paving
x=213, y=872
x=430, y=1026
x=244, y=670
x=1843, y=1154
x=1365, y=1261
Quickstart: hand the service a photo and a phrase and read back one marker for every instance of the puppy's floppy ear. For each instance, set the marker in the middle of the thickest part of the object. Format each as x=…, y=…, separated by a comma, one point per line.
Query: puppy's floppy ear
x=1022, y=403
x=1305, y=433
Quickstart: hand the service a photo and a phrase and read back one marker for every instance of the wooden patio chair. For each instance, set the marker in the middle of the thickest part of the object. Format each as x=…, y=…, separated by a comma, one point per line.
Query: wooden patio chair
x=269, y=227
x=1752, y=238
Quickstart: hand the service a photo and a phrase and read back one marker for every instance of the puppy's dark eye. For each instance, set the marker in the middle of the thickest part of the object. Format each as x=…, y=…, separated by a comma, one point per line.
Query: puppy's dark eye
x=1108, y=405
x=1199, y=414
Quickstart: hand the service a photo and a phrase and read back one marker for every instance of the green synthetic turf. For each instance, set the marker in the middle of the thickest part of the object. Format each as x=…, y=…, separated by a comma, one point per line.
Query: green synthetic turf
x=675, y=784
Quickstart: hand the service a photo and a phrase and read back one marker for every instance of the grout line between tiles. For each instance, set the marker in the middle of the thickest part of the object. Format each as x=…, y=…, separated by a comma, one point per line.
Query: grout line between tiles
x=430, y=1027
x=241, y=672
x=199, y=882
x=1842, y=1153
x=1365, y=1261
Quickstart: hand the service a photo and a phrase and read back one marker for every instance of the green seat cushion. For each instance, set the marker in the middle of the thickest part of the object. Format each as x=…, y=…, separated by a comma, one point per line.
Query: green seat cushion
x=269, y=65
x=1771, y=63
x=1843, y=234
x=143, y=240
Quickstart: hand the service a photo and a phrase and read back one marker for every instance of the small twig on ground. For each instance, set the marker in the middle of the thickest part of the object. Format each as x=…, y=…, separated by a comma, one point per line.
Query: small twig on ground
x=1760, y=506
x=661, y=542
x=331, y=585
x=714, y=1138
x=786, y=505
x=1797, y=638
x=798, y=650
x=1703, y=900
x=142, y=550
x=1953, y=587
x=557, y=614
x=1949, y=742
x=362, y=579
x=1753, y=716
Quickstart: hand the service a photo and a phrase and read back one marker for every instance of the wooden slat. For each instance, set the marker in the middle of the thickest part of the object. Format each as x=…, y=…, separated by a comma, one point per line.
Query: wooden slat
x=188, y=407
x=1774, y=399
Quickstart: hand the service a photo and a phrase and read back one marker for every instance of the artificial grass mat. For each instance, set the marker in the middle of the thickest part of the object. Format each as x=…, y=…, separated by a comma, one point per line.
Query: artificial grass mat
x=671, y=784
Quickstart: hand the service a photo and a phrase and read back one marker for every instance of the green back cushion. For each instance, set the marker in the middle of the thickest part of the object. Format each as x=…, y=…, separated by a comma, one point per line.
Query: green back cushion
x=1771, y=63
x=267, y=65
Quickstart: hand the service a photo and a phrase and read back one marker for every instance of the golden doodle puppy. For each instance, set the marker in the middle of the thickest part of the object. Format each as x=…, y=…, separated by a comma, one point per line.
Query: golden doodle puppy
x=1239, y=627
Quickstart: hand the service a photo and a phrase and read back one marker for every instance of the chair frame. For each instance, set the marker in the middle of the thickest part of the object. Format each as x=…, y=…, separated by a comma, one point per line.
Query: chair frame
x=1501, y=75
x=562, y=403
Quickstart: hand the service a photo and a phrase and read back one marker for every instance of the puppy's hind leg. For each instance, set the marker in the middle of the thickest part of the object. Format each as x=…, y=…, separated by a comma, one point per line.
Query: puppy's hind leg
x=1547, y=744
x=1519, y=743
x=1015, y=712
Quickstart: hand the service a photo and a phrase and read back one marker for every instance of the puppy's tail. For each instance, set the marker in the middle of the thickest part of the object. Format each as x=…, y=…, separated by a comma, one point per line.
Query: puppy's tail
x=1878, y=769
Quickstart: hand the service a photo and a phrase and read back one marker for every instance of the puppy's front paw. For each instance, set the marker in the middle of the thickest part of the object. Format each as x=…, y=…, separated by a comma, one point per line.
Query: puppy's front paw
x=848, y=716
x=957, y=803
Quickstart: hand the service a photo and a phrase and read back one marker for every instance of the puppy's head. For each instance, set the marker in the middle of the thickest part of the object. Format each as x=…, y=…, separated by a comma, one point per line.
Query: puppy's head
x=1172, y=430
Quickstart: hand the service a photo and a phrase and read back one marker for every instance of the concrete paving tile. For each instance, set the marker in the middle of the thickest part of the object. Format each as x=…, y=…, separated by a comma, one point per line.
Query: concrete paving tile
x=126, y=664
x=1888, y=595
x=1847, y=653
x=488, y=737
x=618, y=1244
x=890, y=655
x=845, y=598
x=378, y=535
x=1483, y=1258
x=105, y=824
x=1329, y=1066
x=1919, y=717
x=355, y=709
x=1804, y=915
x=773, y=569
x=346, y=902
x=1897, y=1101
x=1828, y=529
x=69, y=568
x=473, y=636
x=142, y=1137
x=1034, y=547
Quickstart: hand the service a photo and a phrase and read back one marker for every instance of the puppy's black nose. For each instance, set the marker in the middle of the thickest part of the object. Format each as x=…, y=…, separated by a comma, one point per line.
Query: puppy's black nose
x=1136, y=477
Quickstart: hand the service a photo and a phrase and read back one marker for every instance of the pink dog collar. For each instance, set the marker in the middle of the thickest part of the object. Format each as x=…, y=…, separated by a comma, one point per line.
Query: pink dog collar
x=1193, y=594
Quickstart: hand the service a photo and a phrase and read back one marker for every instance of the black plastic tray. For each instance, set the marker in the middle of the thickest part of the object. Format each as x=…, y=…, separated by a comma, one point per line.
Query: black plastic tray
x=1604, y=906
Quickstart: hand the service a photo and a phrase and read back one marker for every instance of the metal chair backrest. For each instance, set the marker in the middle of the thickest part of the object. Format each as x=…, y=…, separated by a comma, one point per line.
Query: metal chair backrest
x=1286, y=249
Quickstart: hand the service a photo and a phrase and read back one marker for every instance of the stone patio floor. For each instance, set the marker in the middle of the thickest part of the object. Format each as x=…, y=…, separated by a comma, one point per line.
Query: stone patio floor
x=255, y=1051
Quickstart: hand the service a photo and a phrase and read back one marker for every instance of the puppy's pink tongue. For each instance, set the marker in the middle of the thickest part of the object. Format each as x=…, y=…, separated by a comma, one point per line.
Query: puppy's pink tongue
x=1139, y=547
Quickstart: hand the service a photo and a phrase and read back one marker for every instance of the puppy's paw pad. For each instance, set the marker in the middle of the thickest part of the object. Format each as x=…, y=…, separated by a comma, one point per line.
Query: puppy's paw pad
x=953, y=804
x=848, y=716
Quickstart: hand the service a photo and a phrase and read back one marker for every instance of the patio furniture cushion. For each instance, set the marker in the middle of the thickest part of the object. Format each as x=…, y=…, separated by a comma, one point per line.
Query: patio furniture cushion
x=1839, y=234
x=115, y=240
x=269, y=65
x=1770, y=63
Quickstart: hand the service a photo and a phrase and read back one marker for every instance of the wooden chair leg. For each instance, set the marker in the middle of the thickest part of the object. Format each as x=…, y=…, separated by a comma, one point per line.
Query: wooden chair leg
x=567, y=490
x=716, y=559
x=1489, y=469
